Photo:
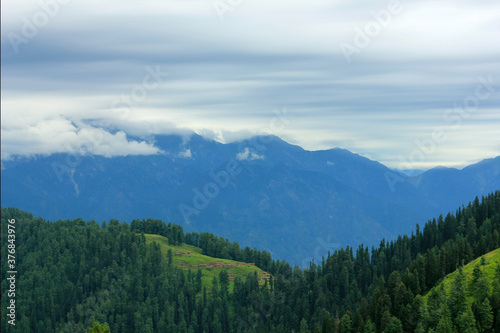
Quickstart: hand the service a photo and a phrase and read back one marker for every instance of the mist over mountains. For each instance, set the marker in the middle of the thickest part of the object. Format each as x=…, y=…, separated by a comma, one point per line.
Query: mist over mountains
x=261, y=192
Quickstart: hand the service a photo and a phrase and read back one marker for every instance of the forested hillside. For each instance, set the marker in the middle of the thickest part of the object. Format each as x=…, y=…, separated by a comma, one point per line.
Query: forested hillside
x=274, y=195
x=72, y=273
x=464, y=297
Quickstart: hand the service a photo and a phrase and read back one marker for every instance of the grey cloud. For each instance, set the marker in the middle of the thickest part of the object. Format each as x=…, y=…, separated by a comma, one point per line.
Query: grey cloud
x=225, y=78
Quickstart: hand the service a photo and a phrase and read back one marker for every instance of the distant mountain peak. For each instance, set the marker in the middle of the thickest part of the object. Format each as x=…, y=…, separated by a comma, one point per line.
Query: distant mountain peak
x=250, y=190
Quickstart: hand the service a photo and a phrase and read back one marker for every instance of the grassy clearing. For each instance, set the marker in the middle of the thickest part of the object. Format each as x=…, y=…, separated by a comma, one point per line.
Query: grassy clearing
x=196, y=258
x=492, y=260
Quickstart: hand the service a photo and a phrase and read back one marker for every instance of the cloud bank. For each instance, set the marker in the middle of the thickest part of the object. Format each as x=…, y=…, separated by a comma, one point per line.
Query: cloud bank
x=59, y=135
x=410, y=76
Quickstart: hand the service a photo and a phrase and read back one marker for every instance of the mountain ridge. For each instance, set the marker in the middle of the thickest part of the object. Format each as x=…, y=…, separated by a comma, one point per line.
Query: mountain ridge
x=280, y=197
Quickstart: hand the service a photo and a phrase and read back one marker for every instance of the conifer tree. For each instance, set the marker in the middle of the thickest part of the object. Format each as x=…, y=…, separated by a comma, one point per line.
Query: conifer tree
x=394, y=326
x=369, y=327
x=466, y=322
x=485, y=316
x=346, y=324
x=458, y=295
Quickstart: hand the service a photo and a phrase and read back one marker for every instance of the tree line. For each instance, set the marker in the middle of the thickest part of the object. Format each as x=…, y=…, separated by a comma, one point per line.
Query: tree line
x=73, y=272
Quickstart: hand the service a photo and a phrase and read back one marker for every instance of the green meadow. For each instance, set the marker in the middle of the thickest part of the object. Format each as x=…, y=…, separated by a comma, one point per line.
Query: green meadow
x=492, y=260
x=192, y=256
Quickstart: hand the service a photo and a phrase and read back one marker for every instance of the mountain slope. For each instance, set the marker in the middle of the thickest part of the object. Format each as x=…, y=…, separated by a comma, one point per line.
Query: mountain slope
x=489, y=267
x=70, y=273
x=297, y=204
x=188, y=257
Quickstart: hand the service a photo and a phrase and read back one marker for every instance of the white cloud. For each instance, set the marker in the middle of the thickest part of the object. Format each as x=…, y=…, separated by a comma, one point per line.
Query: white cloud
x=60, y=135
x=186, y=154
x=247, y=155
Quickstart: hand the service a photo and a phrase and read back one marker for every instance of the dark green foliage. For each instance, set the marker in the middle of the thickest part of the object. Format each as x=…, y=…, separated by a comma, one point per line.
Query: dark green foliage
x=480, y=284
x=346, y=324
x=74, y=273
x=457, y=302
x=98, y=328
x=444, y=326
x=466, y=323
x=485, y=316
x=369, y=327
x=394, y=326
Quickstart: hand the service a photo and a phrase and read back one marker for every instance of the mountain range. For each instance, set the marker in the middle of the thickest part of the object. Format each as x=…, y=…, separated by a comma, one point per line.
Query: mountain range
x=262, y=192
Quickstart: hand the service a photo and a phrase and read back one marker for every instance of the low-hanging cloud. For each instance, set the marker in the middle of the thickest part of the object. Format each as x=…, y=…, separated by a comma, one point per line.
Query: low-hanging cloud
x=225, y=78
x=60, y=135
x=247, y=155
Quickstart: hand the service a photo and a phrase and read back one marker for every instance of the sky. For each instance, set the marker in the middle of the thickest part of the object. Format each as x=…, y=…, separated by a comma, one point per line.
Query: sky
x=411, y=84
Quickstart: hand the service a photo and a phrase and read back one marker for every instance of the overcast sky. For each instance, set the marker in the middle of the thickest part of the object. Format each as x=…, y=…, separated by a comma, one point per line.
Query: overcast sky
x=412, y=84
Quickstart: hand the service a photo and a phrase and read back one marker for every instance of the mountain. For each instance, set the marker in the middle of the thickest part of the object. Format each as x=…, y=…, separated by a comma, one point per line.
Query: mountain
x=448, y=186
x=262, y=192
x=409, y=172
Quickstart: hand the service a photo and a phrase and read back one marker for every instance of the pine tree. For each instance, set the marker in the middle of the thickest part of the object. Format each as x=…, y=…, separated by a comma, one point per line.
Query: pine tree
x=346, y=324
x=420, y=328
x=466, y=322
x=98, y=328
x=458, y=295
x=170, y=257
x=303, y=326
x=369, y=327
x=394, y=326
x=476, y=273
x=436, y=306
x=385, y=320
x=216, y=324
x=485, y=316
x=224, y=281
x=480, y=284
x=198, y=283
x=444, y=326
x=194, y=322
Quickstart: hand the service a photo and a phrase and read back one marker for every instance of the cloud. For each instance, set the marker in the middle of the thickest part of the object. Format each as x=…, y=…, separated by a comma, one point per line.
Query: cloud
x=226, y=78
x=60, y=135
x=186, y=154
x=247, y=155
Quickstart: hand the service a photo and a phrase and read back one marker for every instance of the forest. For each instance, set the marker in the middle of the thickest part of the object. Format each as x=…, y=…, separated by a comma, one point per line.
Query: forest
x=82, y=276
